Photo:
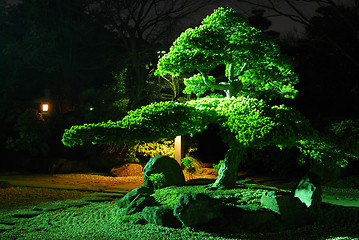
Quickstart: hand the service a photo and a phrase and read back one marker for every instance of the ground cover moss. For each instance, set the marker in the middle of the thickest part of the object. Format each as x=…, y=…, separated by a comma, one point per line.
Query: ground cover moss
x=242, y=194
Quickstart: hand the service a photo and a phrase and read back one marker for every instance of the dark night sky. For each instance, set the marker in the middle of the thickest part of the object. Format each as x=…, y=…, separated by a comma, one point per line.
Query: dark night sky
x=281, y=24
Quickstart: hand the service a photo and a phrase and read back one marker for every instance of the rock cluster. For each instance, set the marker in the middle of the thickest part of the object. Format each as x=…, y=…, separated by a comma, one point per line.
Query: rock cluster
x=278, y=209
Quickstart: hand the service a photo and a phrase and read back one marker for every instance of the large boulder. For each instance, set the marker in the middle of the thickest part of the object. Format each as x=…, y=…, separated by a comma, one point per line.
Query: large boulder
x=249, y=218
x=161, y=215
x=197, y=209
x=138, y=204
x=309, y=191
x=292, y=212
x=129, y=169
x=130, y=196
x=166, y=165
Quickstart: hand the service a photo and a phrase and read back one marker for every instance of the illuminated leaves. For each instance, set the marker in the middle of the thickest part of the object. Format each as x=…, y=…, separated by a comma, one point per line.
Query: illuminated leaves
x=195, y=85
x=225, y=38
x=244, y=121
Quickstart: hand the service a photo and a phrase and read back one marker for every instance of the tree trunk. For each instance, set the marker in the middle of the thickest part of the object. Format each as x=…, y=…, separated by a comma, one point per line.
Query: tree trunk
x=227, y=174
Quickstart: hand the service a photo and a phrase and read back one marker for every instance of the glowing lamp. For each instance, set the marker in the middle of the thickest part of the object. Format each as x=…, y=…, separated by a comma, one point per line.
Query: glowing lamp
x=45, y=107
x=179, y=150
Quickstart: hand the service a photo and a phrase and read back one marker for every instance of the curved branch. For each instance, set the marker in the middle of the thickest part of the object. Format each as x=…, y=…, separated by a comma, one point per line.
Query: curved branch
x=223, y=86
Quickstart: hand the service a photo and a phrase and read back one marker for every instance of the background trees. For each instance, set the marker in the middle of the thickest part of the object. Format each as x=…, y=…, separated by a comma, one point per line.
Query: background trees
x=97, y=54
x=92, y=58
x=324, y=52
x=57, y=47
x=331, y=37
x=141, y=28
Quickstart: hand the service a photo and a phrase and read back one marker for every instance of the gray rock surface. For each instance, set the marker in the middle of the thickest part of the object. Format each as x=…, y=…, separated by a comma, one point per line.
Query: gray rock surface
x=139, y=203
x=251, y=219
x=161, y=215
x=291, y=210
x=130, y=196
x=309, y=191
x=197, y=209
x=166, y=165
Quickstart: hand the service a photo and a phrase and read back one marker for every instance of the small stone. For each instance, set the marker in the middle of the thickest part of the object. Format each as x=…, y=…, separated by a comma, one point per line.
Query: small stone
x=25, y=214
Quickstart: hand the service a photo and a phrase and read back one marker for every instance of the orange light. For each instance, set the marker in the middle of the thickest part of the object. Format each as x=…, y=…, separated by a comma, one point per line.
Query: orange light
x=45, y=107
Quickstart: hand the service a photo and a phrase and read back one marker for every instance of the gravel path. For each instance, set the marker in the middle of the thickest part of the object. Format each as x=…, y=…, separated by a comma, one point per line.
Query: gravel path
x=72, y=214
x=102, y=220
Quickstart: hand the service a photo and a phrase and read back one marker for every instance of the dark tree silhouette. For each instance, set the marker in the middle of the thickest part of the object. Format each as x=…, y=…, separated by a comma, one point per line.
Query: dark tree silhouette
x=141, y=26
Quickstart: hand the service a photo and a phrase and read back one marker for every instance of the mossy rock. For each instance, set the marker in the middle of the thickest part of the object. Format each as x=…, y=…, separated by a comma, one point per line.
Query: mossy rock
x=245, y=194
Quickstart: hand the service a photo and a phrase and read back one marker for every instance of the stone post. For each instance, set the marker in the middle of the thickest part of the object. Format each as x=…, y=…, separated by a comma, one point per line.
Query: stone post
x=179, y=151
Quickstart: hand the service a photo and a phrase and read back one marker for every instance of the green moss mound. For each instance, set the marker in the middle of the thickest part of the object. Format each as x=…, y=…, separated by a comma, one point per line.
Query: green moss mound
x=242, y=194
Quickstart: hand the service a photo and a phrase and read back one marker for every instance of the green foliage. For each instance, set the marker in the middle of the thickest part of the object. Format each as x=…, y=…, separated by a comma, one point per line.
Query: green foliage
x=157, y=179
x=148, y=123
x=331, y=149
x=32, y=134
x=195, y=85
x=245, y=122
x=218, y=166
x=348, y=133
x=119, y=87
x=190, y=166
x=324, y=151
x=138, y=151
x=254, y=64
